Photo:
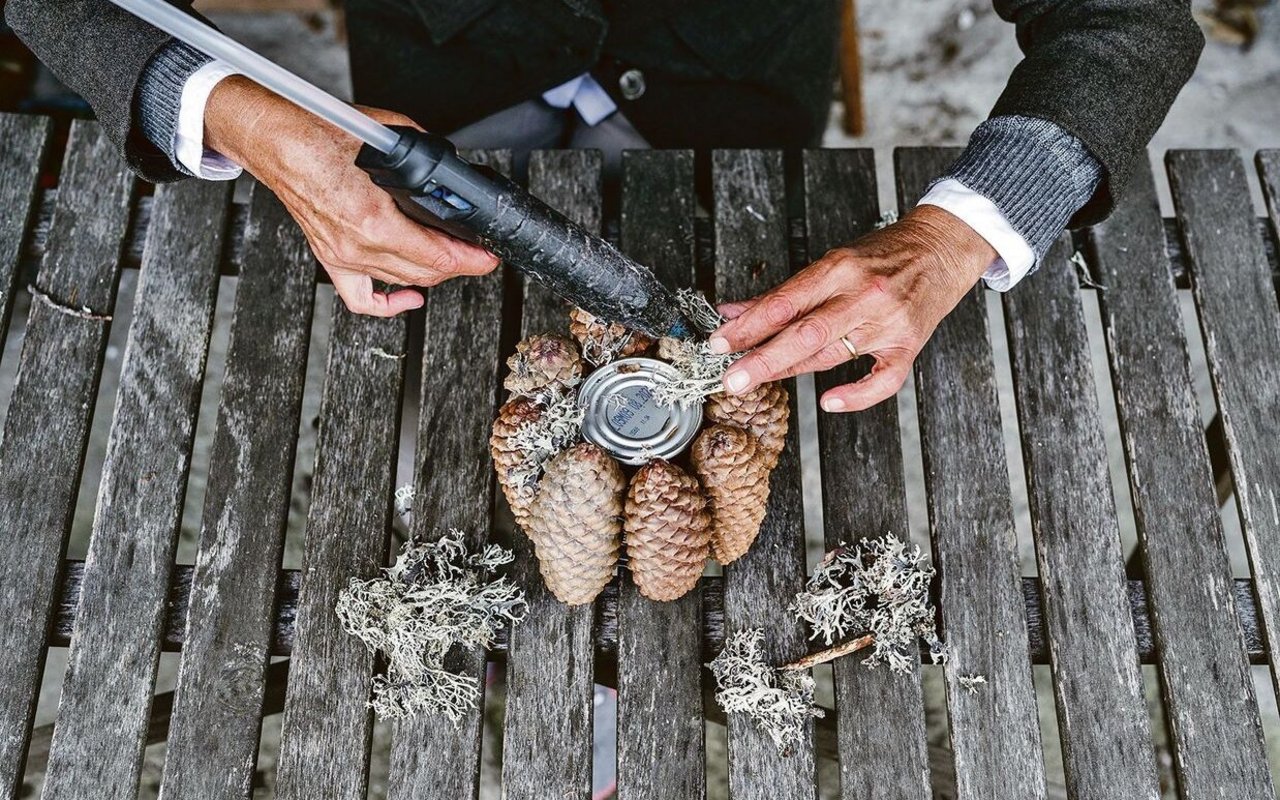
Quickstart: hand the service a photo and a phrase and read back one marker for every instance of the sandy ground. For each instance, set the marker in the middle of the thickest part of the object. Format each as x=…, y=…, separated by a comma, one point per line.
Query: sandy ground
x=932, y=69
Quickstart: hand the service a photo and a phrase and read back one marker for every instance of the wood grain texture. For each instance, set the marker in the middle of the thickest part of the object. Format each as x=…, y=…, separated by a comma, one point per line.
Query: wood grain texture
x=1209, y=696
x=660, y=728
x=106, y=694
x=882, y=754
x=213, y=739
x=605, y=625
x=24, y=142
x=995, y=732
x=49, y=416
x=1268, y=163
x=1102, y=715
x=547, y=738
x=453, y=481
x=1241, y=326
x=751, y=257
x=324, y=746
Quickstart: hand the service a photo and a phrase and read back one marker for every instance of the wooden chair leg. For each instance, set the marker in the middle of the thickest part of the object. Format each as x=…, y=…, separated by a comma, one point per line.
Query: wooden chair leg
x=851, y=70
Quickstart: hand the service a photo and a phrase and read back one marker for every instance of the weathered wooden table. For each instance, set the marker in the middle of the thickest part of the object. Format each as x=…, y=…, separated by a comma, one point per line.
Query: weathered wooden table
x=235, y=609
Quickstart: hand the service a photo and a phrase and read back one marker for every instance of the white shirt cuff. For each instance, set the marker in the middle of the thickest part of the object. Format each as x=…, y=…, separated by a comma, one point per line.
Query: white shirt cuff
x=586, y=96
x=1015, y=256
x=189, y=138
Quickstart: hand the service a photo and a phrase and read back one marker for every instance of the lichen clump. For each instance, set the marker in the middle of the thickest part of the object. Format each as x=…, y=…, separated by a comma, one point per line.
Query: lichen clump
x=780, y=701
x=877, y=586
x=699, y=370
x=437, y=595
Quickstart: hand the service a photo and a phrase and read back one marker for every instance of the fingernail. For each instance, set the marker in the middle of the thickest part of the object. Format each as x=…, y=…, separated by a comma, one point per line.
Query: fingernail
x=736, y=381
x=833, y=404
x=719, y=345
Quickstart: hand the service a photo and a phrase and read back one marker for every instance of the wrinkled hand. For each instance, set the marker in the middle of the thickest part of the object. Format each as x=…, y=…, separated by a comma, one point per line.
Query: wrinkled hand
x=354, y=228
x=886, y=293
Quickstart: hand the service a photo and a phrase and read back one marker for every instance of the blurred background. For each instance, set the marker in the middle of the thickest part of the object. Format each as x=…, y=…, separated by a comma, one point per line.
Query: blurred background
x=927, y=73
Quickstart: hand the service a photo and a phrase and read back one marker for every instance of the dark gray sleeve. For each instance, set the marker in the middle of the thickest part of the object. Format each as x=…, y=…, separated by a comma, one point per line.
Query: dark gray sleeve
x=1105, y=71
x=1036, y=173
x=101, y=52
x=159, y=96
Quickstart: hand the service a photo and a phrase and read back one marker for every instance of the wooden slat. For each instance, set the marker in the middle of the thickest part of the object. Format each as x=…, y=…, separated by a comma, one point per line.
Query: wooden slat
x=660, y=728
x=605, y=627
x=882, y=754
x=1268, y=162
x=1241, y=324
x=1105, y=730
x=547, y=738
x=453, y=480
x=106, y=695
x=213, y=740
x=750, y=257
x=24, y=141
x=324, y=746
x=47, y=426
x=1217, y=734
x=995, y=732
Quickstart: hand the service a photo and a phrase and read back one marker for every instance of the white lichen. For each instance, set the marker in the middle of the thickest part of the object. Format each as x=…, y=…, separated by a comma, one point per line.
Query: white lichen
x=886, y=219
x=556, y=428
x=878, y=586
x=1083, y=274
x=780, y=701
x=436, y=596
x=699, y=371
x=602, y=343
x=404, y=500
x=970, y=683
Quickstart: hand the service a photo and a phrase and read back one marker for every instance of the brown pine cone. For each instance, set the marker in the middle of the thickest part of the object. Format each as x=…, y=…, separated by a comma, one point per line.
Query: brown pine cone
x=518, y=480
x=603, y=343
x=733, y=471
x=667, y=530
x=576, y=522
x=544, y=361
x=764, y=411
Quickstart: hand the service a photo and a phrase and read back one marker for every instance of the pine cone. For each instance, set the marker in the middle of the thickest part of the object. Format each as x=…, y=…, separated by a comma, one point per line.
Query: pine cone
x=519, y=482
x=603, y=343
x=764, y=411
x=667, y=529
x=576, y=522
x=731, y=467
x=544, y=361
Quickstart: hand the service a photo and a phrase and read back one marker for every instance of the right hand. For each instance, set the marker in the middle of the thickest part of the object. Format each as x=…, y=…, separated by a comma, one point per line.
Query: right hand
x=354, y=228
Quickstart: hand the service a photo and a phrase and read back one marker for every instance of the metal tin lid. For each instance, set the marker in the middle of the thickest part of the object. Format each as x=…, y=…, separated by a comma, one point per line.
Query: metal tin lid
x=621, y=415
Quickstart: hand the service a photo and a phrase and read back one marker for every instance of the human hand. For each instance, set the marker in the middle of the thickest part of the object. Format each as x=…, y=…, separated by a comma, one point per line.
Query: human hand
x=354, y=228
x=885, y=292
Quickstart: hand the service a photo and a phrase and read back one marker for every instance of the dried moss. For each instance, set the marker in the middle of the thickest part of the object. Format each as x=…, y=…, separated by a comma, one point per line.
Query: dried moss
x=556, y=428
x=699, y=371
x=780, y=701
x=436, y=596
x=877, y=586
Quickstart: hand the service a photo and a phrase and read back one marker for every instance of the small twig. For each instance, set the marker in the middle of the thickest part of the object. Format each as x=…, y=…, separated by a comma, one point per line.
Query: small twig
x=831, y=653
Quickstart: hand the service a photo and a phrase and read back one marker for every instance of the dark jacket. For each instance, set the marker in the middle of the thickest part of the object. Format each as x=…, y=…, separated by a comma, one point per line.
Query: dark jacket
x=722, y=73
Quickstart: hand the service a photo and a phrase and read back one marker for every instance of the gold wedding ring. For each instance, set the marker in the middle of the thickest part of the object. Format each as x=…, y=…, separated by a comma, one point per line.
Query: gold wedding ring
x=853, y=351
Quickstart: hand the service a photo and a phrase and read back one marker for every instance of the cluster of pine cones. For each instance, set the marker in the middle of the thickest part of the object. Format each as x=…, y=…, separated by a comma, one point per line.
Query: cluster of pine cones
x=579, y=507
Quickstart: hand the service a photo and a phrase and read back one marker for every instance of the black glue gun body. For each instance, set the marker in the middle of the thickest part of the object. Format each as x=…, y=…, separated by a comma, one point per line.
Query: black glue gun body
x=433, y=185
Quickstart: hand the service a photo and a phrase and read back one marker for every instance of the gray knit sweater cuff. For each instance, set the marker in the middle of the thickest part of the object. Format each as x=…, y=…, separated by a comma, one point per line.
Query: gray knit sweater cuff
x=1036, y=173
x=160, y=95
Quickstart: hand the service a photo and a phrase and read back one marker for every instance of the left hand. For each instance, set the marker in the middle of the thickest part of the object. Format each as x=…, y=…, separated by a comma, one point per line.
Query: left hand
x=886, y=293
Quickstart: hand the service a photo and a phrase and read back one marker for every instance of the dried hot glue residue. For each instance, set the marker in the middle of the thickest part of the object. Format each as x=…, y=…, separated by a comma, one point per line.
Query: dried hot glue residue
x=780, y=701
x=878, y=586
x=699, y=370
x=436, y=596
